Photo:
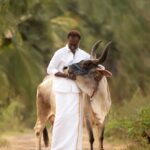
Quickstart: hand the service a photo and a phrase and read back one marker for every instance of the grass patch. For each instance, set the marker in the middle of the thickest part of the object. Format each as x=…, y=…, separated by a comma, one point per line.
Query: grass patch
x=130, y=121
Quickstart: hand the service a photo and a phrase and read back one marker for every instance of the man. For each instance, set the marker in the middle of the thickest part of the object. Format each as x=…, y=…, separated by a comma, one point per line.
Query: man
x=67, y=129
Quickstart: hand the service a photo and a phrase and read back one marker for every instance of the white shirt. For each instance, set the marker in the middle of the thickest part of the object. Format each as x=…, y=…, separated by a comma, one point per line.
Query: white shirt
x=64, y=57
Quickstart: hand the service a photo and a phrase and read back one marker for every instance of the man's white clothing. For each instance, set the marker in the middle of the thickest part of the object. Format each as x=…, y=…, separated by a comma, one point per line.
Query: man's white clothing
x=67, y=129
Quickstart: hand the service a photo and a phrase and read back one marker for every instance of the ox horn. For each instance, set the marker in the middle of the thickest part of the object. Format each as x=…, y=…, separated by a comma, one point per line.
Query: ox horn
x=94, y=47
x=104, y=54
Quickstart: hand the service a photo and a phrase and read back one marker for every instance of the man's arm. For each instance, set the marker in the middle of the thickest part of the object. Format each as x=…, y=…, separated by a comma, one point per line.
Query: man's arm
x=60, y=74
x=53, y=65
x=63, y=75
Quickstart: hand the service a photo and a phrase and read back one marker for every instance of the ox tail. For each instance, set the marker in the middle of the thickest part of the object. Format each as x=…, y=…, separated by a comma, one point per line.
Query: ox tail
x=45, y=137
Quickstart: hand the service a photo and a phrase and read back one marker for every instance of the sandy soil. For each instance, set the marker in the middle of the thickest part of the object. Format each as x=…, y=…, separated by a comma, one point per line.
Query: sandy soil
x=26, y=141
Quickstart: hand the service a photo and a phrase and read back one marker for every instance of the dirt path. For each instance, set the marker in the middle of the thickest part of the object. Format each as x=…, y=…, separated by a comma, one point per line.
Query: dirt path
x=26, y=141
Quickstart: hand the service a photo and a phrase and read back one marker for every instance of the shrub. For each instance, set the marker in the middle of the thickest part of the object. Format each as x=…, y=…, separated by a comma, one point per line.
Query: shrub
x=11, y=116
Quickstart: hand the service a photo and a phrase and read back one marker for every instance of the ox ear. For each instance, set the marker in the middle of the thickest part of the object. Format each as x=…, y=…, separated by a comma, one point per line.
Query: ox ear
x=104, y=72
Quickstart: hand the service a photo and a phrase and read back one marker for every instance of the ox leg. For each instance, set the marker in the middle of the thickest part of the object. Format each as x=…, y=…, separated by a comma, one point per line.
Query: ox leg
x=39, y=137
x=101, y=129
x=38, y=142
x=39, y=128
x=88, y=118
x=90, y=132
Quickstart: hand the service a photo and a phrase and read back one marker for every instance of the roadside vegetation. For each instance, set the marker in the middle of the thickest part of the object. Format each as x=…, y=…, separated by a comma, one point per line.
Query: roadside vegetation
x=30, y=32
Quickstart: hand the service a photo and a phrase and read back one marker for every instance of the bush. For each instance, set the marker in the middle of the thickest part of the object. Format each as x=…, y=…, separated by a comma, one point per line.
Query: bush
x=131, y=124
x=11, y=116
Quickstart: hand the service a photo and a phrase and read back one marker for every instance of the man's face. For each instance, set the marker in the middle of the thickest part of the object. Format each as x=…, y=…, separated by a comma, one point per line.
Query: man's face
x=73, y=42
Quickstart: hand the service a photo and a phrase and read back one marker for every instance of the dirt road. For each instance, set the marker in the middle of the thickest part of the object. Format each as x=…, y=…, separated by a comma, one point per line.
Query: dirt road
x=26, y=141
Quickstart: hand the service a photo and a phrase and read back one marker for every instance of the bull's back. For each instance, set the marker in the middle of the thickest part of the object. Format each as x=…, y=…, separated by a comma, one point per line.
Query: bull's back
x=45, y=98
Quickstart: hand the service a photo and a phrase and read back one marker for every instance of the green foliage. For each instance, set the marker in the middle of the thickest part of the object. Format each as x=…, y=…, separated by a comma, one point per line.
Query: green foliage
x=12, y=116
x=30, y=32
x=144, y=118
x=131, y=121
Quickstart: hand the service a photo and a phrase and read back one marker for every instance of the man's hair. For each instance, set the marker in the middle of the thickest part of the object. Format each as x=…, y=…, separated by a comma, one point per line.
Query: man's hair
x=74, y=33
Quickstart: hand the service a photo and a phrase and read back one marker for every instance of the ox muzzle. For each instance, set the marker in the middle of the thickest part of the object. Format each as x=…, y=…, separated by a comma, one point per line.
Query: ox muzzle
x=75, y=69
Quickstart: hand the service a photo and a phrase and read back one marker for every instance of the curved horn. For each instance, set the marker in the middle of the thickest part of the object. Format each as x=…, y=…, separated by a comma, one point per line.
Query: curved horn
x=104, y=54
x=94, y=47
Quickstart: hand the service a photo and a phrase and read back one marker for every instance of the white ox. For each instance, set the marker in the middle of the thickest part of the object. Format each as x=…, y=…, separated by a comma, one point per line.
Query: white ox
x=91, y=79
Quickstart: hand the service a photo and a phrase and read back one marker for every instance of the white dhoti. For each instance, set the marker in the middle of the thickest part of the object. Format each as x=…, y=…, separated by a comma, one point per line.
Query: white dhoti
x=67, y=129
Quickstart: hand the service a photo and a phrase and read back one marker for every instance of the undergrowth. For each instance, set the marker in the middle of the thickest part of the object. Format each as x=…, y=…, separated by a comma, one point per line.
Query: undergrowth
x=131, y=121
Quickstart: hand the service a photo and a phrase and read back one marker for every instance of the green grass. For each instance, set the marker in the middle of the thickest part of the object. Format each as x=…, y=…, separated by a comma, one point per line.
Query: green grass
x=128, y=122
